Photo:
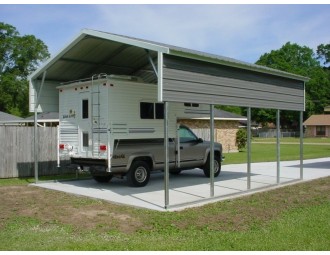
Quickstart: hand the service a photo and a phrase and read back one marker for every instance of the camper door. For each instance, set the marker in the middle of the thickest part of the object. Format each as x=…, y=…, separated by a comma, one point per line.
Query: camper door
x=84, y=125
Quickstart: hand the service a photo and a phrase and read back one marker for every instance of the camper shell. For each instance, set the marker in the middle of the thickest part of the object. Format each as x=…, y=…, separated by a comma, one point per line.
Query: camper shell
x=109, y=121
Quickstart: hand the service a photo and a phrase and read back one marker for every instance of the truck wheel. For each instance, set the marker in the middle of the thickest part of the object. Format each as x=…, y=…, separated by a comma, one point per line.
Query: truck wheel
x=138, y=174
x=217, y=166
x=102, y=179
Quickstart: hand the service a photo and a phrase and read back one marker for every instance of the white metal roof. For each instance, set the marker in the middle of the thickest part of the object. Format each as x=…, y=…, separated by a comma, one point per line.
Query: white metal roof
x=93, y=52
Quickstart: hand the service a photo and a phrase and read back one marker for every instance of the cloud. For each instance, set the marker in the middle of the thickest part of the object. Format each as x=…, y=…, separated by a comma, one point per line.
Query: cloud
x=243, y=32
x=239, y=31
x=196, y=27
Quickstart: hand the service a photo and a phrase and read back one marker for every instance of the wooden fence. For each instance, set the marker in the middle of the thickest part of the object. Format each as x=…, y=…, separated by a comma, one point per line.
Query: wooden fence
x=17, y=151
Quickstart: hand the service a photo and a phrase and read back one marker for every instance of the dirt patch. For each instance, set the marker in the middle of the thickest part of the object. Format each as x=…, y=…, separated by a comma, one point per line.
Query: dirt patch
x=51, y=206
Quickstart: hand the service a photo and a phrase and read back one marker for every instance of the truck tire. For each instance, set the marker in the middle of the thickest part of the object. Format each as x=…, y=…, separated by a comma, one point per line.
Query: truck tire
x=138, y=174
x=217, y=166
x=102, y=179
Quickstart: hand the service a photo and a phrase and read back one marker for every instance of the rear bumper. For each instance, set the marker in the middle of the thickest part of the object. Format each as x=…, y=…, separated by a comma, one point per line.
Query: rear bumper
x=89, y=162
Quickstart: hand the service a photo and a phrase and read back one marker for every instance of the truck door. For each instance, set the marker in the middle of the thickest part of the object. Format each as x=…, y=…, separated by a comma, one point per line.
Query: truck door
x=190, y=154
x=84, y=126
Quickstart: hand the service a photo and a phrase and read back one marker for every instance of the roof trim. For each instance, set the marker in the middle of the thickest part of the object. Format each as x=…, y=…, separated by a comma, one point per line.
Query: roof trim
x=235, y=63
x=127, y=40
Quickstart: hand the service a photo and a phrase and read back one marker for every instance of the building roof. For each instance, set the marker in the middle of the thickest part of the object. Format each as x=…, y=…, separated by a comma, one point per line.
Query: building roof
x=223, y=115
x=45, y=116
x=8, y=117
x=318, y=120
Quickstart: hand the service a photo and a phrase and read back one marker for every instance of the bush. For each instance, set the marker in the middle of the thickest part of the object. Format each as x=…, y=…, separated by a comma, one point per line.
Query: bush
x=241, y=139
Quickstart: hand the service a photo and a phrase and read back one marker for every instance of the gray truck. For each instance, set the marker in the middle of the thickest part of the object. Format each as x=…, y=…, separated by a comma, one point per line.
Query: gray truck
x=135, y=159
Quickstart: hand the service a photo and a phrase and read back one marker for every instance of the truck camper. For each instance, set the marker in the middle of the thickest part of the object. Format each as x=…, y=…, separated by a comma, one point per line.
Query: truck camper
x=114, y=126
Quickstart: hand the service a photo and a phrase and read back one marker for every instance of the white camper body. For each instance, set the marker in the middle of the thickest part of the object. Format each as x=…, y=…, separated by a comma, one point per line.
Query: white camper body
x=95, y=113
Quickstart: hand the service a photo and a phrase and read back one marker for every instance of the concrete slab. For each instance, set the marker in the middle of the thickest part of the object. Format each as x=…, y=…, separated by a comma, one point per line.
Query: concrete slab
x=191, y=188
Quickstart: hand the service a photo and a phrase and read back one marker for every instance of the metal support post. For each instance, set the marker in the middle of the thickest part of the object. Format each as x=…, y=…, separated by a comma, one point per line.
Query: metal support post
x=212, y=150
x=301, y=146
x=58, y=147
x=278, y=151
x=166, y=156
x=160, y=76
x=36, y=147
x=36, y=138
x=249, y=148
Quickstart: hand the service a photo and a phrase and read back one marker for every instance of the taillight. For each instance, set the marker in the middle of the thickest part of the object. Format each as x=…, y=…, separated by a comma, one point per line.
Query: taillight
x=62, y=146
x=103, y=147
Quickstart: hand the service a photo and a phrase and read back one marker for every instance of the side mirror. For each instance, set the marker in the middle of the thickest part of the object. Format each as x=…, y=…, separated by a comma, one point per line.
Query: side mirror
x=200, y=140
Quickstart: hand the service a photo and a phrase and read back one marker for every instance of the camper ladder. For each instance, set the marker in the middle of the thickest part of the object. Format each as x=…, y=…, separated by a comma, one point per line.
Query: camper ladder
x=96, y=115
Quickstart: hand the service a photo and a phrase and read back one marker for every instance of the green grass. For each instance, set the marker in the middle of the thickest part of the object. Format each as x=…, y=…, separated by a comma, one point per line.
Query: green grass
x=29, y=180
x=290, y=218
x=266, y=152
x=295, y=217
x=293, y=140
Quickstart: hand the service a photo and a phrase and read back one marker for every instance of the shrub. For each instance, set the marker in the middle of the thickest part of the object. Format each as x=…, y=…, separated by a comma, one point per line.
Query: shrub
x=241, y=139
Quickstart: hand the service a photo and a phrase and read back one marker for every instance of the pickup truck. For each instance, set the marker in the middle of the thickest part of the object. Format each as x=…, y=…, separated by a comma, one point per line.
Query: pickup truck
x=135, y=159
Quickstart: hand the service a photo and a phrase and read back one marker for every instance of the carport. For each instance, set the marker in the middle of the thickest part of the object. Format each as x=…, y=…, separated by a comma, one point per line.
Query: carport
x=181, y=75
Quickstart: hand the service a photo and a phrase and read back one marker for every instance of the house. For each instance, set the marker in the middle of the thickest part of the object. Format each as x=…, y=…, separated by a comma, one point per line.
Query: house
x=318, y=126
x=45, y=119
x=9, y=119
x=226, y=125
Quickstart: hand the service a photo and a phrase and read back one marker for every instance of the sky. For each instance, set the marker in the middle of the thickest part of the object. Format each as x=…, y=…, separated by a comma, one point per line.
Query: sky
x=243, y=32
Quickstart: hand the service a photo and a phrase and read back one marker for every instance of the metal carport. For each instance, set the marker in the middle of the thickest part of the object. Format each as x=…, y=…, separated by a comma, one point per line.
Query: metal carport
x=182, y=75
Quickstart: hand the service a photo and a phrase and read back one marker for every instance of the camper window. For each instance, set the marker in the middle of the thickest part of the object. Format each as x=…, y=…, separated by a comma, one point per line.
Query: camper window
x=146, y=110
x=191, y=105
x=85, y=139
x=159, y=111
x=151, y=110
x=85, y=108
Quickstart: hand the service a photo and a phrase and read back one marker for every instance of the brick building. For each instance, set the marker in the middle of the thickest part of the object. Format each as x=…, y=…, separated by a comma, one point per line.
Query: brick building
x=226, y=125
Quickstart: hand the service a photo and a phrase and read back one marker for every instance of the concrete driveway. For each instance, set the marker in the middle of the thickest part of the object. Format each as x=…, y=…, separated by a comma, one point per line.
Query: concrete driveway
x=191, y=188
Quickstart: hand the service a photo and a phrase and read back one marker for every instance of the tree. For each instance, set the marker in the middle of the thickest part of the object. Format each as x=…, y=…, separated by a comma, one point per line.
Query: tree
x=303, y=61
x=19, y=57
x=323, y=52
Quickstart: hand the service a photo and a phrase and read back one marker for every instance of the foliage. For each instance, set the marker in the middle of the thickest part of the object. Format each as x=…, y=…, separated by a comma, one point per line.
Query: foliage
x=19, y=57
x=323, y=52
x=233, y=109
x=303, y=61
x=241, y=138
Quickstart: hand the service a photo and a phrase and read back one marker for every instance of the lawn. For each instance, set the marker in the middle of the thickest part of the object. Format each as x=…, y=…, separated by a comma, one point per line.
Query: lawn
x=294, y=217
x=264, y=150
